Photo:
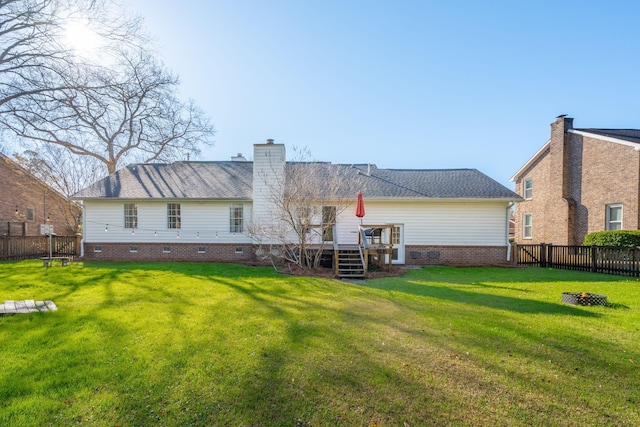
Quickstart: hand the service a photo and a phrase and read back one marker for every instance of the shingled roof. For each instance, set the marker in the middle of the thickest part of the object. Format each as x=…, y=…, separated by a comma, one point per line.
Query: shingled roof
x=629, y=135
x=229, y=180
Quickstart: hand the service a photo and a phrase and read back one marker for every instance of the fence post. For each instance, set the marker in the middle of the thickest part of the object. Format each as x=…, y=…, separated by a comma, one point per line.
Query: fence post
x=594, y=258
x=550, y=255
x=5, y=246
x=543, y=255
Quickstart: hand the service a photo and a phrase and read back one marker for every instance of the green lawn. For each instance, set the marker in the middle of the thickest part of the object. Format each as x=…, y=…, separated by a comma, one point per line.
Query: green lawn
x=206, y=345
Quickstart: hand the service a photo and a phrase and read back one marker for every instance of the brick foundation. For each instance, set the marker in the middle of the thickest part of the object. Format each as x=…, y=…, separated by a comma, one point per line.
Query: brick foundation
x=414, y=255
x=457, y=255
x=176, y=252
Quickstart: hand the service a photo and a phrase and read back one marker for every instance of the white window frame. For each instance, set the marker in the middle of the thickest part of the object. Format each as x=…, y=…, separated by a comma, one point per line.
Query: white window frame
x=609, y=221
x=527, y=189
x=527, y=229
x=236, y=218
x=329, y=218
x=131, y=215
x=174, y=217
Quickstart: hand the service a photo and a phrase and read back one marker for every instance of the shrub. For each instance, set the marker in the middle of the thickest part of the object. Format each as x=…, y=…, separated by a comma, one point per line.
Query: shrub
x=625, y=238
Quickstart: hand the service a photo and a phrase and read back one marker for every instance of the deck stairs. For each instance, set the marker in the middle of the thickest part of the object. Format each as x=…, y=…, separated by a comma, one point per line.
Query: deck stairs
x=350, y=262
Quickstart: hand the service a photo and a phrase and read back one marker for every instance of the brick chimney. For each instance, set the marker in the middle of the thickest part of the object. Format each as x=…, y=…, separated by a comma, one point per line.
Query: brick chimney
x=559, y=150
x=559, y=212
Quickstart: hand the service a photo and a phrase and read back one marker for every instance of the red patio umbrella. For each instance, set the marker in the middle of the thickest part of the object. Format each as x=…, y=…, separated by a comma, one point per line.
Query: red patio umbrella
x=360, y=206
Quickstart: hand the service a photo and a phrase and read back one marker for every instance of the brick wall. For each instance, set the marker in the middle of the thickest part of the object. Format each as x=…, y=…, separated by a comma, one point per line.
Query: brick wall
x=573, y=182
x=604, y=173
x=415, y=255
x=558, y=208
x=539, y=173
x=177, y=252
x=456, y=255
x=21, y=190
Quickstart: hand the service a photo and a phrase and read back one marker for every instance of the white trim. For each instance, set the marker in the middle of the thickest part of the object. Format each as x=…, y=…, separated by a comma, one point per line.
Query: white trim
x=608, y=221
x=636, y=146
x=535, y=157
x=524, y=226
x=524, y=189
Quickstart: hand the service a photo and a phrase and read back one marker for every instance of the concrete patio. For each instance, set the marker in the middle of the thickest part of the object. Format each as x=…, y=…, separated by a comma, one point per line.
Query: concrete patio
x=11, y=307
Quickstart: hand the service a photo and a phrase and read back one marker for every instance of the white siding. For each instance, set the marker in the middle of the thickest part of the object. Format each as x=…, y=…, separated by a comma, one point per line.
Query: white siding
x=205, y=221
x=268, y=180
x=433, y=222
x=425, y=223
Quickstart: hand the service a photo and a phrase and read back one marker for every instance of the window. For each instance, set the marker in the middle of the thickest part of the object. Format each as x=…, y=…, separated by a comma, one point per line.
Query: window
x=239, y=250
x=236, y=218
x=528, y=188
x=31, y=214
x=173, y=215
x=527, y=226
x=202, y=250
x=328, y=221
x=614, y=217
x=395, y=235
x=395, y=241
x=304, y=219
x=130, y=215
x=166, y=250
x=133, y=249
x=97, y=249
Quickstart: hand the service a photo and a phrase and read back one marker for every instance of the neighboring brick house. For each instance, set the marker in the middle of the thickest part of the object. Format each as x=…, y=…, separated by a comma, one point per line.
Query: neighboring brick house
x=26, y=203
x=581, y=181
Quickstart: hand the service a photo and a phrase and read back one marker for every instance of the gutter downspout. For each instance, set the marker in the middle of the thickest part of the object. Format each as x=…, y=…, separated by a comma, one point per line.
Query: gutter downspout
x=84, y=230
x=507, y=232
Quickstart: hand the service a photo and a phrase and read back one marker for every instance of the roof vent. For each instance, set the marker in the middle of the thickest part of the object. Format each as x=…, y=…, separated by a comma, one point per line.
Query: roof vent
x=238, y=158
x=269, y=141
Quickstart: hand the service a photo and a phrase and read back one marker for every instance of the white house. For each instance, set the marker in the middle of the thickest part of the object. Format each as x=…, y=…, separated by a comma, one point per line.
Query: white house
x=209, y=211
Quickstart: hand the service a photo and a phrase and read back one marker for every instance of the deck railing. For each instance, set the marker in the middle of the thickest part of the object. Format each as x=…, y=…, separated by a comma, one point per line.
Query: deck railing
x=598, y=259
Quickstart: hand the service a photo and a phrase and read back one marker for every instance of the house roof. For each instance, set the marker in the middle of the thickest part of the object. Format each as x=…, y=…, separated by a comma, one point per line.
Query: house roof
x=229, y=180
x=179, y=180
x=629, y=137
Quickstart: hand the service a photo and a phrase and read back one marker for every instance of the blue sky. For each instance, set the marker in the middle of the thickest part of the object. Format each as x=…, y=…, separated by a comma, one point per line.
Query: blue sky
x=402, y=84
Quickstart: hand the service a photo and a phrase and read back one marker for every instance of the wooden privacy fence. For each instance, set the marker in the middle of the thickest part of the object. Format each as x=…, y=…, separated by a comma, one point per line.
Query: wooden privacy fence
x=597, y=259
x=28, y=247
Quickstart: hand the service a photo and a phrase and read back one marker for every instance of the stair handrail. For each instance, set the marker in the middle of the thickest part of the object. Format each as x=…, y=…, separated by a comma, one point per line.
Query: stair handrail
x=364, y=266
x=363, y=243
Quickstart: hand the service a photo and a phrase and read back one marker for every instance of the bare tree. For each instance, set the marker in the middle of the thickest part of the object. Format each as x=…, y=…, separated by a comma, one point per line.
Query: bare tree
x=61, y=170
x=63, y=173
x=120, y=103
x=35, y=51
x=131, y=112
x=305, y=202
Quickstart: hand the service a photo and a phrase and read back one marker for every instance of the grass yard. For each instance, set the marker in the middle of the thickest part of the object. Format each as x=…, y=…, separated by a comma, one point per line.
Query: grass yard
x=224, y=345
